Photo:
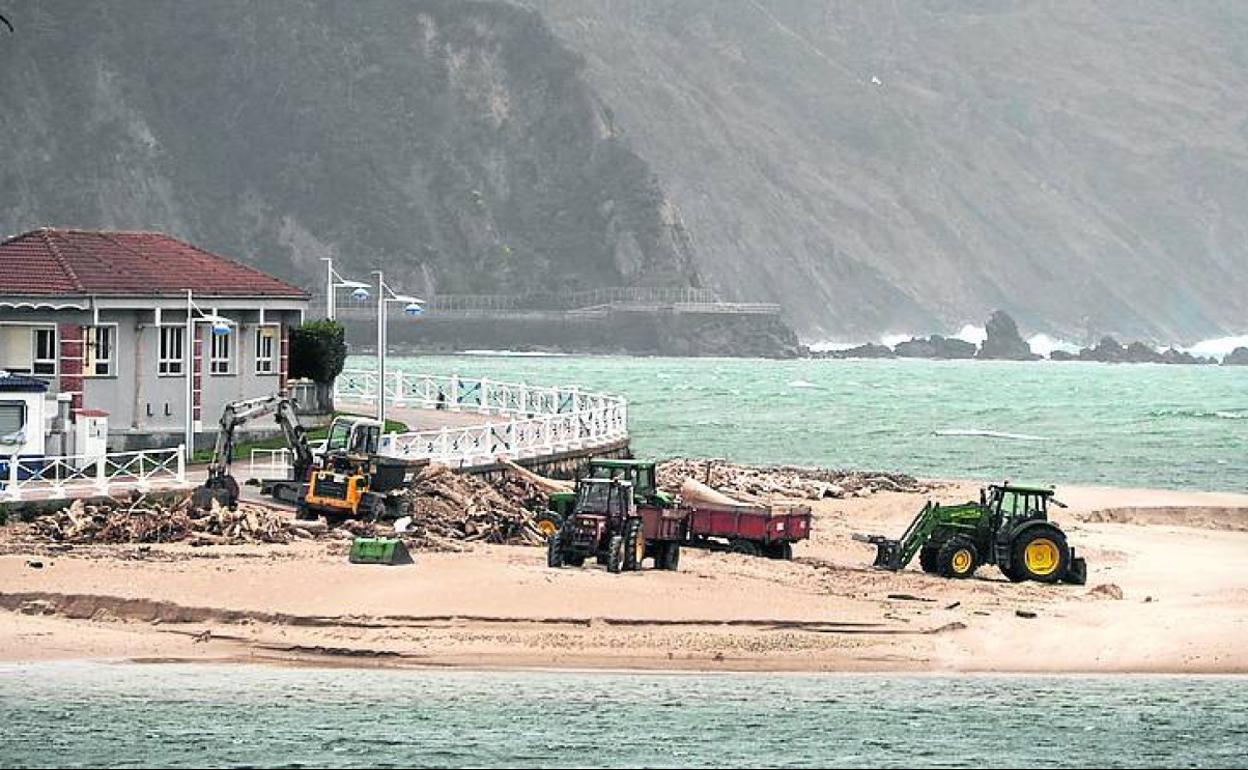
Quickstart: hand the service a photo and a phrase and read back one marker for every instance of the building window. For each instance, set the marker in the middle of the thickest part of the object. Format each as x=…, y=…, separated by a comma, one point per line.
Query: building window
x=100, y=344
x=12, y=417
x=44, y=359
x=170, y=360
x=221, y=360
x=266, y=346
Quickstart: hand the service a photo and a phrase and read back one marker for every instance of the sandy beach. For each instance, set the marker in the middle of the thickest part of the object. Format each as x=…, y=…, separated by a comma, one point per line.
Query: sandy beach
x=1176, y=559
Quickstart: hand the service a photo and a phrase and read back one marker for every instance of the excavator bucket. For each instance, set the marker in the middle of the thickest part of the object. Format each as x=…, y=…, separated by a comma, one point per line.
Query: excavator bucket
x=379, y=550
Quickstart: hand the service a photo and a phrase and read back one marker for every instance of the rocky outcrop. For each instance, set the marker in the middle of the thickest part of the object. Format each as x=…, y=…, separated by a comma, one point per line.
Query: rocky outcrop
x=935, y=346
x=1063, y=355
x=1004, y=341
x=1176, y=356
x=1110, y=351
x=1237, y=357
x=869, y=350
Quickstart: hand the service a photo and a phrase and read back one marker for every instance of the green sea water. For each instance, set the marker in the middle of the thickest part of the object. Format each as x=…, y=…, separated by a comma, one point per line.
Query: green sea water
x=1123, y=425
x=130, y=715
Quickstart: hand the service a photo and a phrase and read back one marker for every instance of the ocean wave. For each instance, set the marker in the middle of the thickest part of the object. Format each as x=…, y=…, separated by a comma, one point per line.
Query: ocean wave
x=1219, y=414
x=973, y=432
x=804, y=384
x=511, y=353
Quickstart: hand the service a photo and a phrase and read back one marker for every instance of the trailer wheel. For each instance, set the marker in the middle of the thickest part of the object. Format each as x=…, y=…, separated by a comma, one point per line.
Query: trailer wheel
x=957, y=558
x=744, y=547
x=672, y=562
x=554, y=554
x=782, y=551
x=615, y=555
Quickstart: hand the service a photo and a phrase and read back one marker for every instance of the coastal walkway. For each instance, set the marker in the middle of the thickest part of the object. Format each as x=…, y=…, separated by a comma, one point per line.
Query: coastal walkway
x=467, y=424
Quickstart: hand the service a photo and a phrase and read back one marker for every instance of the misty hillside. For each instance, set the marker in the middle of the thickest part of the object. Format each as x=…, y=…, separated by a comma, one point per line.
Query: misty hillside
x=874, y=167
x=913, y=165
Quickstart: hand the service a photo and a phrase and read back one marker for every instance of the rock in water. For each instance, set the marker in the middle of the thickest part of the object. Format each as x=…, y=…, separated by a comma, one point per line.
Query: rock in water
x=935, y=346
x=1237, y=357
x=1003, y=340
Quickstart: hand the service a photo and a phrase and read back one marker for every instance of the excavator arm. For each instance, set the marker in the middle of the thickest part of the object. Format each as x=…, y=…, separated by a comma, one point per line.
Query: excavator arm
x=220, y=485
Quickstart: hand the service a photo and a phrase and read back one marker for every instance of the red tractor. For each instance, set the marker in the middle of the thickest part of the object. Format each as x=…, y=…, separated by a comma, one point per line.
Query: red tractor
x=606, y=524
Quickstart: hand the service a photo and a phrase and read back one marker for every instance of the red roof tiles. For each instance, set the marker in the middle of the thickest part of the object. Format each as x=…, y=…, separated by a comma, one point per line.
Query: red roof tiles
x=84, y=262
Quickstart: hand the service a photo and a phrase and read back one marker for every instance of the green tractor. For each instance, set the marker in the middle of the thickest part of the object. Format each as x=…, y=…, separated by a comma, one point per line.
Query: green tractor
x=639, y=473
x=1008, y=527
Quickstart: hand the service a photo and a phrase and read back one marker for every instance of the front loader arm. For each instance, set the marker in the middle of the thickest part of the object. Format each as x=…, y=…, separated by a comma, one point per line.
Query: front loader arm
x=896, y=554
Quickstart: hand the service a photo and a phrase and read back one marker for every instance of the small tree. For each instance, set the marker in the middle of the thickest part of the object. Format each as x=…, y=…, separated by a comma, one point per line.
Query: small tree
x=318, y=351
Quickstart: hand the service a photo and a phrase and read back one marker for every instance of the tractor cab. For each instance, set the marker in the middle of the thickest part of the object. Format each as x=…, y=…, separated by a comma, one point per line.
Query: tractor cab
x=1011, y=505
x=640, y=473
x=608, y=498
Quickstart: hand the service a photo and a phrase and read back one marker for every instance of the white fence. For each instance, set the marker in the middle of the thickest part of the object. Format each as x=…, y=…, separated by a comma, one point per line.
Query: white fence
x=27, y=478
x=536, y=420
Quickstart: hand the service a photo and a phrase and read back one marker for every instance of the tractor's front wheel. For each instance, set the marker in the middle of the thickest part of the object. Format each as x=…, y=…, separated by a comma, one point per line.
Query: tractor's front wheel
x=957, y=558
x=1040, y=554
x=928, y=559
x=554, y=553
x=615, y=555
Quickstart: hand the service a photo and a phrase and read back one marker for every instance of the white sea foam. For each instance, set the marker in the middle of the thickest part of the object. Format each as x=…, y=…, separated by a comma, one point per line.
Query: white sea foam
x=803, y=384
x=989, y=434
x=828, y=346
x=1044, y=345
x=1218, y=347
x=972, y=334
x=891, y=340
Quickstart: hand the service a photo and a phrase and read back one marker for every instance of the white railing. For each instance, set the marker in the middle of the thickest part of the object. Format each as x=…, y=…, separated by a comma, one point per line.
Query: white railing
x=269, y=463
x=538, y=420
x=61, y=476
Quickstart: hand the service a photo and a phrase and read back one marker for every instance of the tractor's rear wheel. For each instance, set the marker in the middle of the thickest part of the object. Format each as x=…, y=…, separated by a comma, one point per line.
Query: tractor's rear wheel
x=554, y=553
x=634, y=545
x=615, y=554
x=957, y=558
x=1040, y=554
x=928, y=560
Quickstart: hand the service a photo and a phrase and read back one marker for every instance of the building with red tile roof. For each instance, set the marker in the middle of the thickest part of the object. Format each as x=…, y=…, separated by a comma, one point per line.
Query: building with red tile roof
x=102, y=317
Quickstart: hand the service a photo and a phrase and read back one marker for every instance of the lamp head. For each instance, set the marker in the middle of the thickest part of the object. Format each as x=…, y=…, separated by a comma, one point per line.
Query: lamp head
x=413, y=309
x=360, y=293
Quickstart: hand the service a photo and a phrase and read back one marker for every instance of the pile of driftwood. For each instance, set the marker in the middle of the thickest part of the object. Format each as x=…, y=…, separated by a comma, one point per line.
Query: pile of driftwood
x=762, y=483
x=145, y=520
x=445, y=506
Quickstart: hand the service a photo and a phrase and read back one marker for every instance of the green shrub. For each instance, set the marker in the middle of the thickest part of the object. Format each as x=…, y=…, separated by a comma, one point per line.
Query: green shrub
x=318, y=351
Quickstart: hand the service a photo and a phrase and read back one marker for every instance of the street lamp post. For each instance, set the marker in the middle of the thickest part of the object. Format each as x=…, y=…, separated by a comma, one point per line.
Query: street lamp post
x=220, y=325
x=333, y=282
x=386, y=295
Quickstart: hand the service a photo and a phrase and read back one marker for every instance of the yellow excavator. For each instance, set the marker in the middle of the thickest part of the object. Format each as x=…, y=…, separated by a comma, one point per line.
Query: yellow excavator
x=347, y=479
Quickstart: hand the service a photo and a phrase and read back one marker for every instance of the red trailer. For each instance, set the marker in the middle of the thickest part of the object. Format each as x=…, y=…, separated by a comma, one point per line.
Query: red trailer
x=757, y=530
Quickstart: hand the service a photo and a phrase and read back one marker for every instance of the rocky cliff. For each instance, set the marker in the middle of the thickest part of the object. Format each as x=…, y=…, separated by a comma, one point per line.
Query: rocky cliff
x=454, y=142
